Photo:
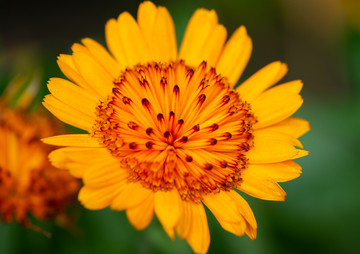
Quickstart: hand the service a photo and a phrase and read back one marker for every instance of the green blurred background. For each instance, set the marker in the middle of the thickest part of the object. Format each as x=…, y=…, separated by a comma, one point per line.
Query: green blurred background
x=320, y=41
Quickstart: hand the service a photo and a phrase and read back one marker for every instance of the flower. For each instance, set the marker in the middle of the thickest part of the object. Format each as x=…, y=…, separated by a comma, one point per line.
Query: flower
x=167, y=132
x=29, y=184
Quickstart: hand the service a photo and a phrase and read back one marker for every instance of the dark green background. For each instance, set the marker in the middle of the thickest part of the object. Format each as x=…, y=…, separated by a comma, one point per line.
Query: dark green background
x=320, y=41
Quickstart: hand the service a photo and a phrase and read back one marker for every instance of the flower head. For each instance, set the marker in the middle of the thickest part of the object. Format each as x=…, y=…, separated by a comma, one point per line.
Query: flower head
x=168, y=132
x=29, y=184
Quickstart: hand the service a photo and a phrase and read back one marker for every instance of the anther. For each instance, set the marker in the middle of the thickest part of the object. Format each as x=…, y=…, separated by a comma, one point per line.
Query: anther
x=149, y=131
x=166, y=134
x=181, y=121
x=214, y=127
x=189, y=158
x=115, y=90
x=132, y=145
x=126, y=100
x=190, y=72
x=176, y=90
x=202, y=98
x=223, y=164
x=132, y=125
x=171, y=114
x=226, y=99
x=163, y=81
x=213, y=141
x=145, y=102
x=196, y=127
x=160, y=117
x=149, y=144
x=184, y=139
x=208, y=166
x=228, y=135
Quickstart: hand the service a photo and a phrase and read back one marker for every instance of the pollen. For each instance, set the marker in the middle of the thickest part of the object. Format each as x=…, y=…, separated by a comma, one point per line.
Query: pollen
x=173, y=126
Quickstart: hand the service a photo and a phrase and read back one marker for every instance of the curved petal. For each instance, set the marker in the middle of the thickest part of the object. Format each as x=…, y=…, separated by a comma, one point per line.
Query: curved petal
x=132, y=195
x=132, y=40
x=103, y=57
x=96, y=199
x=113, y=42
x=280, y=172
x=193, y=226
x=105, y=173
x=79, y=160
x=292, y=126
x=262, y=80
x=235, y=56
x=230, y=211
x=78, y=140
x=270, y=147
x=158, y=29
x=275, y=105
x=140, y=216
x=168, y=209
x=68, y=67
x=260, y=186
x=203, y=40
x=95, y=75
x=68, y=114
x=73, y=95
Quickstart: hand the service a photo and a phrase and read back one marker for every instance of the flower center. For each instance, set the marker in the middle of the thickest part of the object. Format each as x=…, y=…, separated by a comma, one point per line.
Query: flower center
x=172, y=126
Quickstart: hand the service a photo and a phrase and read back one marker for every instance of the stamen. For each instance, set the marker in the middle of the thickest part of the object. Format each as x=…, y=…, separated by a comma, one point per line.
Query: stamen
x=132, y=145
x=213, y=141
x=149, y=131
x=149, y=144
x=158, y=157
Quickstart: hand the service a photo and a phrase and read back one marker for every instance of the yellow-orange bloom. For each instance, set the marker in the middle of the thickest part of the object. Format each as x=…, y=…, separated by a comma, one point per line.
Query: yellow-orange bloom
x=168, y=132
x=29, y=184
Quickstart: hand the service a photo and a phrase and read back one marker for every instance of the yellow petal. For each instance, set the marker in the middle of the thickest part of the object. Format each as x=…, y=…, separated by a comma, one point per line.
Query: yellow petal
x=260, y=186
x=274, y=106
x=261, y=80
x=68, y=114
x=106, y=173
x=78, y=160
x=198, y=236
x=140, y=216
x=79, y=140
x=132, y=40
x=200, y=29
x=132, y=195
x=68, y=67
x=270, y=147
x=247, y=213
x=95, y=75
x=292, y=126
x=281, y=172
x=146, y=15
x=96, y=199
x=168, y=209
x=103, y=57
x=162, y=43
x=235, y=56
x=113, y=41
x=73, y=95
x=225, y=209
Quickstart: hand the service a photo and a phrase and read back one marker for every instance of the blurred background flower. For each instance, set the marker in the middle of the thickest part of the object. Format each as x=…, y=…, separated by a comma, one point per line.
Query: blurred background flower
x=320, y=42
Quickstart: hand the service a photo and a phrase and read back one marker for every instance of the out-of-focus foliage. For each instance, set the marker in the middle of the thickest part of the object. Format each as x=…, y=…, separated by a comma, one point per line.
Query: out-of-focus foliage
x=320, y=41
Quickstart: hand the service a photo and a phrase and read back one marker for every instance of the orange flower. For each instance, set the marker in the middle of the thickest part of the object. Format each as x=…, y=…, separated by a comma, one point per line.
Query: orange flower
x=168, y=131
x=29, y=184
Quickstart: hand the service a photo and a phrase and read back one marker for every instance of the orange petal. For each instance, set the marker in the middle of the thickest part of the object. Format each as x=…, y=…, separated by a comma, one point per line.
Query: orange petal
x=235, y=56
x=140, y=216
x=261, y=80
x=270, y=147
